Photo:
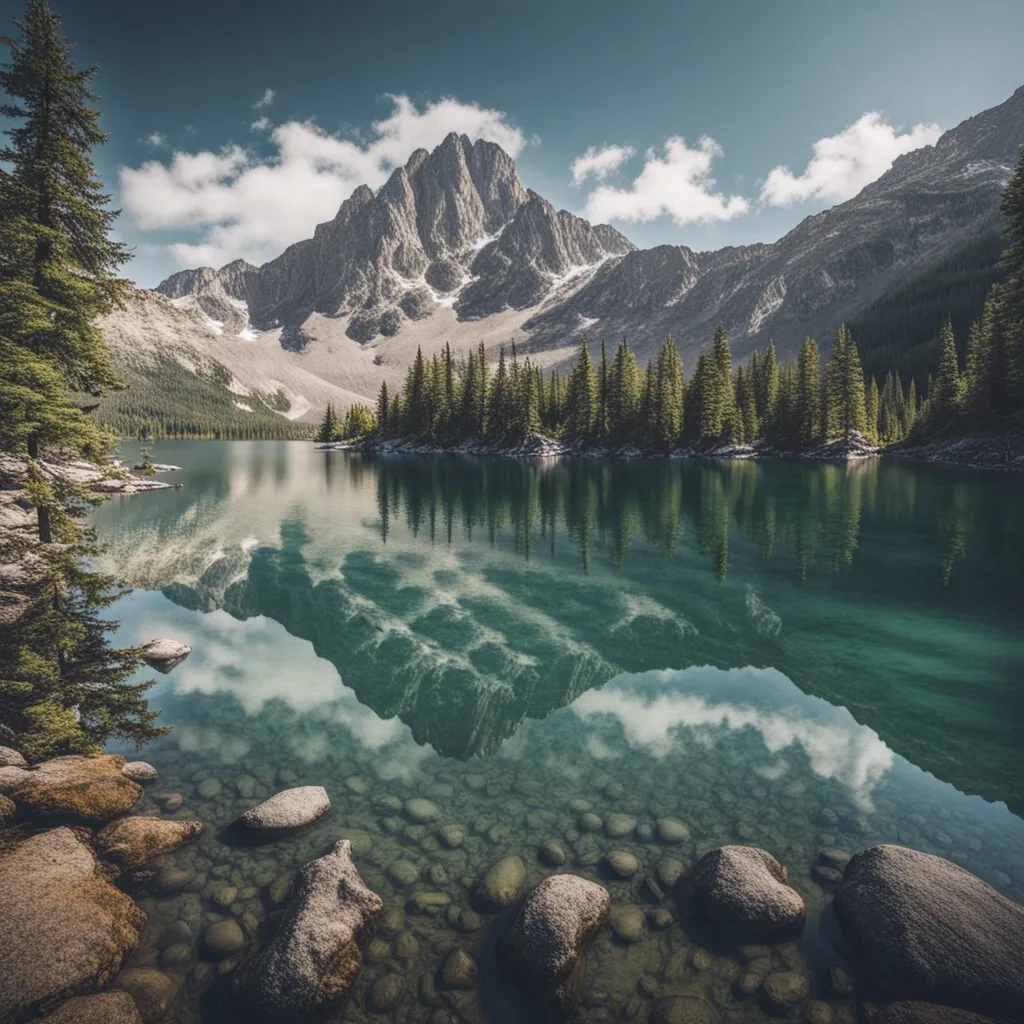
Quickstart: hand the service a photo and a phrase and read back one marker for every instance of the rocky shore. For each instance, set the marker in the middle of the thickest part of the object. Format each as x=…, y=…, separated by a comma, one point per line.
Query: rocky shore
x=21, y=576
x=404, y=913
x=541, y=446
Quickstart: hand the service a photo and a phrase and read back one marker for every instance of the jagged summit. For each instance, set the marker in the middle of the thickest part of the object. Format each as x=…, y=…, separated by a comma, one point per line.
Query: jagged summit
x=443, y=222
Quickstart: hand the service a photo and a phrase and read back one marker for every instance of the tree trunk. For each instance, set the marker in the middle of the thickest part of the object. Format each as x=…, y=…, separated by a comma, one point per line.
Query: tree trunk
x=42, y=512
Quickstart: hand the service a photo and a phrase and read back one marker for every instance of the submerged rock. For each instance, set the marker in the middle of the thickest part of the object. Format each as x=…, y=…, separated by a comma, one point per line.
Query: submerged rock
x=130, y=842
x=544, y=947
x=103, y=1008
x=317, y=951
x=422, y=811
x=499, y=888
x=287, y=810
x=909, y=1012
x=152, y=991
x=929, y=930
x=163, y=654
x=140, y=771
x=64, y=929
x=745, y=889
x=223, y=939
x=459, y=970
x=92, y=789
x=683, y=1010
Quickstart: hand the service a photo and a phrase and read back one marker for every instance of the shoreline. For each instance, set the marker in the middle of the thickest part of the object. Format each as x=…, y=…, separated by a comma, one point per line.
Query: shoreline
x=981, y=453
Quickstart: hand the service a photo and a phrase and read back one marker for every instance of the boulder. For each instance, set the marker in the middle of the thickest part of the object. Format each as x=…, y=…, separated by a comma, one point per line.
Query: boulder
x=140, y=771
x=91, y=789
x=151, y=990
x=163, y=654
x=130, y=842
x=102, y=1008
x=287, y=810
x=64, y=929
x=909, y=1012
x=223, y=939
x=745, y=890
x=544, y=947
x=459, y=970
x=10, y=758
x=925, y=929
x=316, y=952
x=7, y=810
x=499, y=888
x=11, y=777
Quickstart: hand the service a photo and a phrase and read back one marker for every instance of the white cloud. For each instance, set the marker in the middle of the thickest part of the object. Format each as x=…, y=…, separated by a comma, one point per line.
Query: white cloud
x=261, y=124
x=157, y=139
x=678, y=184
x=843, y=164
x=265, y=100
x=600, y=162
x=254, y=207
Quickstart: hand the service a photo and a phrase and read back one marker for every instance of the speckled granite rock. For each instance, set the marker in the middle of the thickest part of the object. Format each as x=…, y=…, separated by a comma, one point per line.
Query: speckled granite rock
x=317, y=951
x=289, y=809
x=926, y=929
x=10, y=758
x=92, y=789
x=545, y=945
x=130, y=842
x=63, y=928
x=140, y=771
x=499, y=888
x=102, y=1008
x=745, y=889
x=908, y=1012
x=163, y=654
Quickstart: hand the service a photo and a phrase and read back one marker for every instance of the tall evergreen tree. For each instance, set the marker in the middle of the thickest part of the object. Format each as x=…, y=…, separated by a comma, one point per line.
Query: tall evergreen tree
x=328, y=429
x=945, y=399
x=808, y=393
x=383, y=409
x=725, y=398
x=581, y=397
x=845, y=387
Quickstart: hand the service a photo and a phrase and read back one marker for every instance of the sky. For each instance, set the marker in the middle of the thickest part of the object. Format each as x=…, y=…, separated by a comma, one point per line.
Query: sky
x=236, y=126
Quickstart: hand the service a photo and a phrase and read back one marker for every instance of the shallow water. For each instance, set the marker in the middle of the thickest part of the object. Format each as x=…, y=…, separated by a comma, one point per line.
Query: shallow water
x=791, y=656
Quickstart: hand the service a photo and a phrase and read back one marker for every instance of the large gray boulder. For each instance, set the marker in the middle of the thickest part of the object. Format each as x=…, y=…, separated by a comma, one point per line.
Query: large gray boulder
x=925, y=929
x=545, y=945
x=911, y=1012
x=317, y=951
x=287, y=810
x=64, y=929
x=745, y=889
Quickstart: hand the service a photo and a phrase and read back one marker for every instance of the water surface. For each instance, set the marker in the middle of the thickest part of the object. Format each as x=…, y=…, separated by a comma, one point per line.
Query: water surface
x=792, y=656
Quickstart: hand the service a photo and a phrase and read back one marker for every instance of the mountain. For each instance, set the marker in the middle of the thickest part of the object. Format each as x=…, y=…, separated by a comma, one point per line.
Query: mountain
x=452, y=248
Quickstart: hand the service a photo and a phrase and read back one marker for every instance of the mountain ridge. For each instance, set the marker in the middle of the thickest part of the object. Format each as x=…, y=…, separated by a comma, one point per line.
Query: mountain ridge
x=453, y=248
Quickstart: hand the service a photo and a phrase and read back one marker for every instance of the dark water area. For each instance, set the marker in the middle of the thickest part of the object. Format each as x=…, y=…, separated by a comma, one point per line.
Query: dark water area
x=788, y=655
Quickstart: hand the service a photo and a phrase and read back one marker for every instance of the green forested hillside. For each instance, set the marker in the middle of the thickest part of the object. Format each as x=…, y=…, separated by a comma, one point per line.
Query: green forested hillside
x=166, y=400
x=900, y=331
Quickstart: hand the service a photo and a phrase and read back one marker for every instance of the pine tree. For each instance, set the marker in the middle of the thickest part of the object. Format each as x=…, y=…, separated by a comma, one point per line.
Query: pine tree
x=58, y=265
x=328, y=429
x=1010, y=294
x=871, y=401
x=581, y=398
x=945, y=398
x=416, y=415
x=497, y=411
x=624, y=392
x=844, y=387
x=808, y=393
x=601, y=430
x=383, y=410
x=766, y=382
x=725, y=398
x=666, y=412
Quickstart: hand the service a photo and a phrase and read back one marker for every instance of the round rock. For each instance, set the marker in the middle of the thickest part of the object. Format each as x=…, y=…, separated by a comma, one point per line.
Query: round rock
x=459, y=970
x=499, y=888
x=628, y=924
x=745, y=889
x=683, y=1010
x=669, y=830
x=621, y=864
x=785, y=990
x=223, y=939
x=152, y=991
x=422, y=811
x=551, y=853
x=101, y=1008
x=130, y=842
x=386, y=993
x=617, y=826
x=140, y=771
x=10, y=758
x=287, y=810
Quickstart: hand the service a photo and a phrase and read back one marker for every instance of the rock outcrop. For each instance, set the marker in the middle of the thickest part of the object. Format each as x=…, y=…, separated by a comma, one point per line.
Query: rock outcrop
x=544, y=947
x=90, y=789
x=925, y=929
x=130, y=842
x=64, y=929
x=285, y=811
x=317, y=951
x=745, y=889
x=140, y=771
x=10, y=758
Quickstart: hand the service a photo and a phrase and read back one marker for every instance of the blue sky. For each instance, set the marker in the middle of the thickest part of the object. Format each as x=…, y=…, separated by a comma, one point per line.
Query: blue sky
x=681, y=111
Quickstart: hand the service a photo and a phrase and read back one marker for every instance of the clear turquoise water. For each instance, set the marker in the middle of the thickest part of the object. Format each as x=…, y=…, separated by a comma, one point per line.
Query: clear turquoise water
x=786, y=655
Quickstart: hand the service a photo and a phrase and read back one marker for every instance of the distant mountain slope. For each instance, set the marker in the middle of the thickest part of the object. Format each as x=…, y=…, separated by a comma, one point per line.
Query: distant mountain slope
x=900, y=331
x=454, y=249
